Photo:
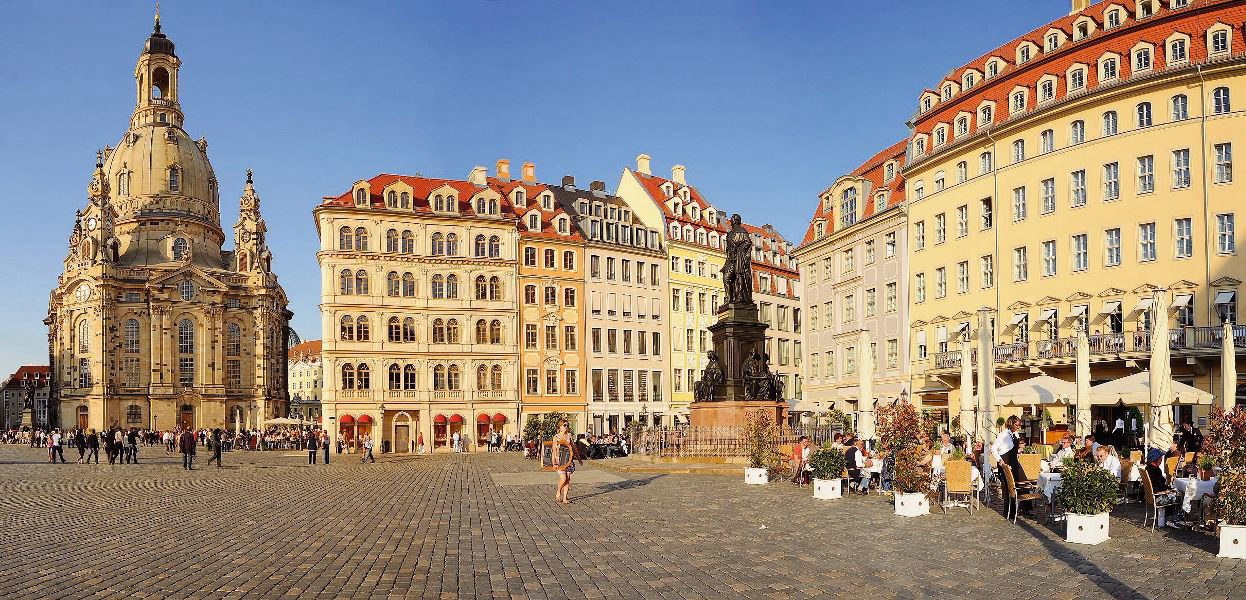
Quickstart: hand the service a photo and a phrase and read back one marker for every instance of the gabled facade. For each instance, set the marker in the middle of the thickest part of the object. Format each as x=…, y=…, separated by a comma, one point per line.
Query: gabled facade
x=692, y=231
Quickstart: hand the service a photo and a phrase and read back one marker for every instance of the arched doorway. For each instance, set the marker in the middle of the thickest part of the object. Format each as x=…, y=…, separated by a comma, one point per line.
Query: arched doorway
x=346, y=430
x=402, y=433
x=82, y=417
x=186, y=416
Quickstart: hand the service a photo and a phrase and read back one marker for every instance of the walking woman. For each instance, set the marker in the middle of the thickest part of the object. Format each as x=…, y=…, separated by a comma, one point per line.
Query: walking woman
x=564, y=477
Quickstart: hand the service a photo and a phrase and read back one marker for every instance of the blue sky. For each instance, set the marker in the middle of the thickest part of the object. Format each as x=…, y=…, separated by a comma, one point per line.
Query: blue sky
x=765, y=103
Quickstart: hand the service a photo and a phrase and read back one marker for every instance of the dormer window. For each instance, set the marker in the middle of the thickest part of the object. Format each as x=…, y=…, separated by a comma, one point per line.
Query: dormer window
x=684, y=193
x=962, y=126
x=1023, y=55
x=848, y=207
x=926, y=103
x=985, y=116
x=940, y=137
x=667, y=189
x=439, y=203
x=1142, y=59
x=1046, y=90
x=1077, y=79
x=1109, y=69
x=562, y=225
x=889, y=172
x=1113, y=18
x=969, y=80
x=992, y=69
x=1053, y=42
x=361, y=197
x=391, y=199
x=1083, y=31
x=547, y=202
x=696, y=214
x=674, y=231
x=406, y=200
x=819, y=229
x=1145, y=9
x=519, y=197
x=534, y=222
x=947, y=92
x=181, y=250
x=1219, y=41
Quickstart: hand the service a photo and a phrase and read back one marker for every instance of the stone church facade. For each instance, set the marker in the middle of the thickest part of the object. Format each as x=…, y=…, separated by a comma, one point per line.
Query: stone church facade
x=153, y=323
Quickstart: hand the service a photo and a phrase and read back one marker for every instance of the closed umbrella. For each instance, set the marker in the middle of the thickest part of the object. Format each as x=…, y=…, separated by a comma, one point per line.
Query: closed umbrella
x=1083, y=386
x=1160, y=434
x=865, y=403
x=967, y=400
x=1228, y=369
x=986, y=373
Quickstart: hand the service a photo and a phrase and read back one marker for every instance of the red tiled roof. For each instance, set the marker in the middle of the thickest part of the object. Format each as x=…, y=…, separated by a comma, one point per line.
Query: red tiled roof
x=548, y=217
x=653, y=185
x=1192, y=20
x=308, y=348
x=872, y=171
x=40, y=374
x=422, y=188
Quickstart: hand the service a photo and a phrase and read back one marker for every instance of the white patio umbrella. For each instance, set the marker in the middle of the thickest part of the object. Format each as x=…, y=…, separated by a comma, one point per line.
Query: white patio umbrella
x=1228, y=369
x=1160, y=382
x=1082, y=417
x=968, y=402
x=1137, y=389
x=986, y=373
x=865, y=383
x=1036, y=391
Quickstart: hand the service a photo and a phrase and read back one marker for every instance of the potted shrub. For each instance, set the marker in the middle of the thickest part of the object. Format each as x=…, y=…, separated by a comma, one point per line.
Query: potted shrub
x=759, y=434
x=1206, y=467
x=827, y=464
x=899, y=434
x=1225, y=445
x=1088, y=493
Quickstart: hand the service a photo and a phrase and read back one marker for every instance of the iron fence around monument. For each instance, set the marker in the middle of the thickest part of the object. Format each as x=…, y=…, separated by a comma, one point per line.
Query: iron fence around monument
x=716, y=442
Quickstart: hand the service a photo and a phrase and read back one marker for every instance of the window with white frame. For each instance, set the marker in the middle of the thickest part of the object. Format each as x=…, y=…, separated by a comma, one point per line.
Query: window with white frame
x=939, y=183
x=1023, y=54
x=941, y=282
x=1181, y=168
x=1220, y=101
x=1113, y=19
x=1180, y=107
x=986, y=115
x=1112, y=247
x=1219, y=41
x=1077, y=79
x=1081, y=252
x=1049, y=196
x=940, y=137
x=889, y=245
x=1224, y=162
x=1144, y=114
x=1046, y=141
x=1146, y=174
x=1146, y=242
x=1046, y=90
x=962, y=171
x=985, y=207
x=1142, y=59
x=1018, y=102
x=919, y=235
x=988, y=271
x=1077, y=132
x=848, y=207
x=940, y=228
x=919, y=190
x=1018, y=151
x=985, y=163
x=1177, y=51
x=919, y=287
x=962, y=220
x=1049, y=258
x=1111, y=181
x=1110, y=123
x=962, y=276
x=1226, y=242
x=1108, y=69
x=1020, y=264
x=1183, y=238
x=1018, y=204
x=1077, y=188
x=962, y=126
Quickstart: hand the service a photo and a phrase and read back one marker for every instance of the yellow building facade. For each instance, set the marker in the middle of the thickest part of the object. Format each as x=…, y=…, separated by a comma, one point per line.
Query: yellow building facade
x=1057, y=182
x=692, y=231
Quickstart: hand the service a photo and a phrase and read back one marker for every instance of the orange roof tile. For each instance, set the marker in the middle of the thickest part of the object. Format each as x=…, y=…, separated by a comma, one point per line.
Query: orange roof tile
x=873, y=171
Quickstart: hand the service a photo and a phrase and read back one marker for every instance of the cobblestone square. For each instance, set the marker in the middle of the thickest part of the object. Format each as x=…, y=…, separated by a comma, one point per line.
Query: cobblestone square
x=269, y=525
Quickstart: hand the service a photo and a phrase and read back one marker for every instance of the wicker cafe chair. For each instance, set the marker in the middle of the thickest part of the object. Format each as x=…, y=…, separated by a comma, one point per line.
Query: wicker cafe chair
x=1135, y=457
x=1017, y=499
x=1150, y=510
x=1189, y=458
x=959, y=483
x=1209, y=513
x=1031, y=465
x=1127, y=487
x=1170, y=468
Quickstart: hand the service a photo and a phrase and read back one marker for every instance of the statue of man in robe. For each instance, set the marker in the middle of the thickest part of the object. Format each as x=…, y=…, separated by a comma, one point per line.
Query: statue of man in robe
x=737, y=270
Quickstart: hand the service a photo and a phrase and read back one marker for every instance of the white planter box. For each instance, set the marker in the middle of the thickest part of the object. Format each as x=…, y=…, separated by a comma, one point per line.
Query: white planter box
x=828, y=489
x=1086, y=529
x=1232, y=541
x=912, y=505
x=756, y=476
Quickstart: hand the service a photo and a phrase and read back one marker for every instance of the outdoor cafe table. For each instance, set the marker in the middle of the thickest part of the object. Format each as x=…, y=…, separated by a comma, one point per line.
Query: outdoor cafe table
x=1049, y=482
x=1191, y=489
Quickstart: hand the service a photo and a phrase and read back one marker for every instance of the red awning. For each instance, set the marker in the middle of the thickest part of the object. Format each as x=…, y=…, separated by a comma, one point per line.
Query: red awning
x=364, y=419
x=482, y=418
x=456, y=418
x=439, y=419
x=499, y=418
x=345, y=419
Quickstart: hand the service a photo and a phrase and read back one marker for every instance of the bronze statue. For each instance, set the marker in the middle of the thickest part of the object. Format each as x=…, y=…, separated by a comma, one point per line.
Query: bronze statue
x=703, y=391
x=754, y=375
x=737, y=270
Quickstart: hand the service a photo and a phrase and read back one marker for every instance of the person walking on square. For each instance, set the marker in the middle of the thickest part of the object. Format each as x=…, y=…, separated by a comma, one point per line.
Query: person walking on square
x=215, y=444
x=132, y=446
x=562, y=494
x=58, y=449
x=367, y=450
x=186, y=443
x=313, y=445
x=80, y=441
x=325, y=442
x=93, y=446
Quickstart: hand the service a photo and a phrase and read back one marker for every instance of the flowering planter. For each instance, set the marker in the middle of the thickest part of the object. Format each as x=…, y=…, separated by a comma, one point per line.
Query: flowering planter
x=1232, y=541
x=912, y=505
x=828, y=489
x=1086, y=529
x=756, y=476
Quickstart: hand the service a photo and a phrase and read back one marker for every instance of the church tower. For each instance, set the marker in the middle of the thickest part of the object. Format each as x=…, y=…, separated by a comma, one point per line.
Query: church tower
x=153, y=324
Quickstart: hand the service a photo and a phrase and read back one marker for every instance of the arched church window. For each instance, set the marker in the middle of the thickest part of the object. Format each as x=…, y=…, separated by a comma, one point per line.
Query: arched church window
x=131, y=336
x=175, y=183
x=233, y=340
x=181, y=249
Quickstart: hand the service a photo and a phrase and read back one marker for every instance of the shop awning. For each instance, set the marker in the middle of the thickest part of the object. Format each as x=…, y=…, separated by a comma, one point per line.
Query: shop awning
x=456, y=418
x=345, y=419
x=499, y=418
x=364, y=419
x=1181, y=300
x=1225, y=296
x=1079, y=310
x=1047, y=314
x=1144, y=304
x=482, y=418
x=1018, y=318
x=1110, y=308
x=439, y=419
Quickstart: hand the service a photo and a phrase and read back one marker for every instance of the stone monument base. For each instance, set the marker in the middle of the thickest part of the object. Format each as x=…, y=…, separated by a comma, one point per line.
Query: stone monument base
x=733, y=413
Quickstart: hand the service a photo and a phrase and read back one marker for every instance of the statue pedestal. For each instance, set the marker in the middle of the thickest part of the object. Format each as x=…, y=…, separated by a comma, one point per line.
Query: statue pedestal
x=737, y=334
x=28, y=418
x=733, y=413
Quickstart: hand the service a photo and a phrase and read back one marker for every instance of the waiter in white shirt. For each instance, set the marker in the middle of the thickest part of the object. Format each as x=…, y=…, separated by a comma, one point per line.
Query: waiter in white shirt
x=1005, y=452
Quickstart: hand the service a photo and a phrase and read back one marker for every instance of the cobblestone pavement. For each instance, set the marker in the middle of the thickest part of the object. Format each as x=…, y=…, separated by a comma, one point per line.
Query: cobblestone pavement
x=439, y=527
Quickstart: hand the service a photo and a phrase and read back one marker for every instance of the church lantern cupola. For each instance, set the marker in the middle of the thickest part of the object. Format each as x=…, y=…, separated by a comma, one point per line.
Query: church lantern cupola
x=155, y=78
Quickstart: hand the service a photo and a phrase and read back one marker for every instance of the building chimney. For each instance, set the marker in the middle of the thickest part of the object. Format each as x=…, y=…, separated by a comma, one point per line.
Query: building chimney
x=677, y=174
x=478, y=176
x=568, y=181
x=504, y=168
x=1079, y=6
x=642, y=164
x=529, y=172
x=598, y=188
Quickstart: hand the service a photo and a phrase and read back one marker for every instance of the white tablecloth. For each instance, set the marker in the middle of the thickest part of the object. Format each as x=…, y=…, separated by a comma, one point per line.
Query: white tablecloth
x=1049, y=482
x=1191, y=489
